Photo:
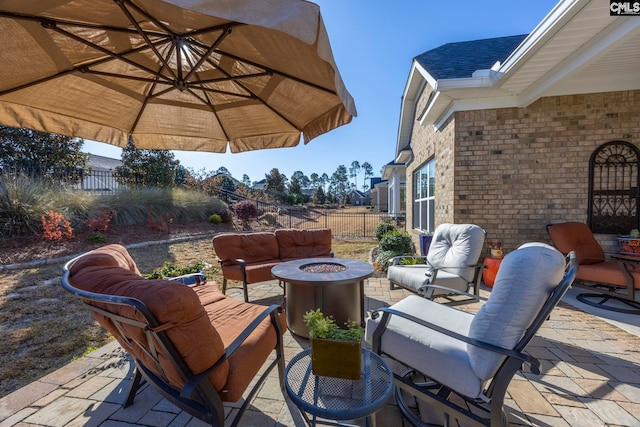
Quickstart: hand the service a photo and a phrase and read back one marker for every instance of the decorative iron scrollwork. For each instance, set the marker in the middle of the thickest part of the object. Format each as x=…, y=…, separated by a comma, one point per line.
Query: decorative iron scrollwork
x=613, y=188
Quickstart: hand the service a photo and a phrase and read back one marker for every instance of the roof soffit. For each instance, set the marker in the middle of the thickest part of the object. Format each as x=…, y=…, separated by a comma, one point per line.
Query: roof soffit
x=576, y=48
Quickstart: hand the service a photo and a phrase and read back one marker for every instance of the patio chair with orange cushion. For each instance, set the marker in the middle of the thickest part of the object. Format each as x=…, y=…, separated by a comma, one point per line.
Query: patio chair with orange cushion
x=613, y=283
x=195, y=346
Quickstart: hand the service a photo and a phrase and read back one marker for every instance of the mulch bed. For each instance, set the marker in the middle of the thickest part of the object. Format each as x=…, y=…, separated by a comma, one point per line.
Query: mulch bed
x=25, y=249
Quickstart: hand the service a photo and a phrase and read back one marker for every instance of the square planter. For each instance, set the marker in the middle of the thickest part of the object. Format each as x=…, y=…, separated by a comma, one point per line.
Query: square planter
x=628, y=245
x=335, y=358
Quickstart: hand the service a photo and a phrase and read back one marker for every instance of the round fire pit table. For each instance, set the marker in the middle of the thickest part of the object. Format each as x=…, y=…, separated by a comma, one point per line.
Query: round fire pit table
x=334, y=285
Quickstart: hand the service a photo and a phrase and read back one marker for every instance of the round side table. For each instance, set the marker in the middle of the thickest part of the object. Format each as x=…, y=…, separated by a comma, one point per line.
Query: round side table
x=326, y=398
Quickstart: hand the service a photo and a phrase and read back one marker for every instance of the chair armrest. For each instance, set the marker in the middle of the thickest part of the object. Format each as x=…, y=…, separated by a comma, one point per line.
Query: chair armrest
x=457, y=292
x=193, y=382
x=388, y=312
x=200, y=278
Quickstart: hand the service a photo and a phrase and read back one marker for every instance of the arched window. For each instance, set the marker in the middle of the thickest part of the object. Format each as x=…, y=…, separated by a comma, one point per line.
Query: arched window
x=613, y=188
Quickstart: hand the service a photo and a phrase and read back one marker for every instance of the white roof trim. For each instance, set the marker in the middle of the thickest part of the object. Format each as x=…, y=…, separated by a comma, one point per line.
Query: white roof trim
x=562, y=12
x=615, y=37
x=475, y=104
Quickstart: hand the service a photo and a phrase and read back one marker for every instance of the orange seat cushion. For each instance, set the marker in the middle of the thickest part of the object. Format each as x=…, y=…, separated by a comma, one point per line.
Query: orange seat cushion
x=576, y=236
x=609, y=272
x=297, y=244
x=171, y=303
x=256, y=272
x=230, y=317
x=251, y=247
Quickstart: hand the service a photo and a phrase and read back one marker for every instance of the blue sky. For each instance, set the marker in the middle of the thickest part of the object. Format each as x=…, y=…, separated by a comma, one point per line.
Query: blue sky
x=374, y=42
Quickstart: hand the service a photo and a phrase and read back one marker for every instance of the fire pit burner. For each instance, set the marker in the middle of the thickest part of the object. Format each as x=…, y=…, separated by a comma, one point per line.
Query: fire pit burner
x=323, y=267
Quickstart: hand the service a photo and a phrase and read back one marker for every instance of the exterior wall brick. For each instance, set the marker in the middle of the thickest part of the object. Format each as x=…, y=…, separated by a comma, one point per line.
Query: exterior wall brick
x=514, y=170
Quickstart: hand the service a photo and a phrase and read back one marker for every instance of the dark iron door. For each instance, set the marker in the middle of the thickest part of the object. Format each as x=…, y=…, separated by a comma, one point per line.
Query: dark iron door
x=613, y=188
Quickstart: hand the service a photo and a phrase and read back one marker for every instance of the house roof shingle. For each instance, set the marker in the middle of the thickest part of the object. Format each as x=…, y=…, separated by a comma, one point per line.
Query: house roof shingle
x=460, y=60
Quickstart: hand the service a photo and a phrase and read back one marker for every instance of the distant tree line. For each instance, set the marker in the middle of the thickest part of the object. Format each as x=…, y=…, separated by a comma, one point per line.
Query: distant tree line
x=23, y=148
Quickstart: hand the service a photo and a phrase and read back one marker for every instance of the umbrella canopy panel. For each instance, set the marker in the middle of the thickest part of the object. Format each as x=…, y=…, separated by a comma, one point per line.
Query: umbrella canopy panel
x=173, y=74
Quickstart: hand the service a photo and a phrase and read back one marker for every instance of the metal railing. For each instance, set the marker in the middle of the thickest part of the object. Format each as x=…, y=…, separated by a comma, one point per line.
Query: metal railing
x=271, y=216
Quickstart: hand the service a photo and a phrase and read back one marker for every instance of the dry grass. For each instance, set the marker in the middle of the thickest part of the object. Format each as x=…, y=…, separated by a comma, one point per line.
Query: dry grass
x=43, y=327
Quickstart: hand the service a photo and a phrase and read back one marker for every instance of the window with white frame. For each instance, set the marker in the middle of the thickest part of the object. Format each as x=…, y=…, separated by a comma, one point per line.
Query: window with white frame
x=424, y=185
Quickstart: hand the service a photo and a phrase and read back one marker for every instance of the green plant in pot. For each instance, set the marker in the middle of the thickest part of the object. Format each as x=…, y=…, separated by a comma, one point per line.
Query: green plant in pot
x=335, y=352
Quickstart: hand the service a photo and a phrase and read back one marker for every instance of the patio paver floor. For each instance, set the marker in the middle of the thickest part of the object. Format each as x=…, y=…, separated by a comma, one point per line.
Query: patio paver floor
x=591, y=377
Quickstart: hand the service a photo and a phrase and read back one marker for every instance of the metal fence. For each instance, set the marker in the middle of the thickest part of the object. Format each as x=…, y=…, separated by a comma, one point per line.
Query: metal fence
x=95, y=181
x=361, y=224
x=341, y=222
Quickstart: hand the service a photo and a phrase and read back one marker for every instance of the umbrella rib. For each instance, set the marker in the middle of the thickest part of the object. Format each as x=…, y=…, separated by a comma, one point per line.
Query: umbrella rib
x=58, y=21
x=256, y=96
x=288, y=76
x=204, y=56
x=51, y=25
x=142, y=108
x=85, y=68
x=143, y=34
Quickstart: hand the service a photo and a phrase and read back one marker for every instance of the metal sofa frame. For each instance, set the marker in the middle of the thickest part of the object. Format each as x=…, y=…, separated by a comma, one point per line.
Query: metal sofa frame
x=474, y=412
x=198, y=397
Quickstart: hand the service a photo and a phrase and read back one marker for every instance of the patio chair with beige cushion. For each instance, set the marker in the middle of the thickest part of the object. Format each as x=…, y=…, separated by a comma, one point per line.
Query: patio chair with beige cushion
x=613, y=285
x=451, y=265
x=461, y=364
x=195, y=346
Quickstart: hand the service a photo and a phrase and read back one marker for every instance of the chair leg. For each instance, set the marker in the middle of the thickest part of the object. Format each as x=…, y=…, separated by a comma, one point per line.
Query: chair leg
x=245, y=290
x=392, y=286
x=224, y=286
x=133, y=388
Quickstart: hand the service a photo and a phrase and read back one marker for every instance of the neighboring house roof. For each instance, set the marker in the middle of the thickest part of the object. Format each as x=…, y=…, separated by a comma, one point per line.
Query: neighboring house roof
x=373, y=181
x=577, y=48
x=358, y=193
x=457, y=60
x=101, y=163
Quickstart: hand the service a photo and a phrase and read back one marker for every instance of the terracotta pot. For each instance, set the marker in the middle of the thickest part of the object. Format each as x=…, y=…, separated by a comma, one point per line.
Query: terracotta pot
x=491, y=270
x=335, y=358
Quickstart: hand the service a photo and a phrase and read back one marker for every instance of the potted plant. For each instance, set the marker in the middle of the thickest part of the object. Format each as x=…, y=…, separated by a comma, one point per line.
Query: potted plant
x=496, y=249
x=630, y=243
x=335, y=352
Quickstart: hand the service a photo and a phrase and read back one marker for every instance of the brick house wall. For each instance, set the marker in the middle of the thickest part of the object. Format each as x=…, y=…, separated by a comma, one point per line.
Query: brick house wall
x=514, y=170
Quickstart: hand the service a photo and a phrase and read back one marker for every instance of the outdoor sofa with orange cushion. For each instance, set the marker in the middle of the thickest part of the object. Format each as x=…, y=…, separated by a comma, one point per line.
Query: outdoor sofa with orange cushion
x=613, y=283
x=249, y=257
x=196, y=346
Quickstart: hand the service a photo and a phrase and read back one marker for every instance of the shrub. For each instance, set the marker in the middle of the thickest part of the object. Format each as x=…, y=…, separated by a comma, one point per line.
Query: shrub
x=226, y=215
x=159, y=221
x=55, y=227
x=412, y=261
x=96, y=238
x=22, y=203
x=270, y=218
x=215, y=219
x=245, y=210
x=382, y=259
x=383, y=228
x=396, y=241
x=101, y=222
x=173, y=270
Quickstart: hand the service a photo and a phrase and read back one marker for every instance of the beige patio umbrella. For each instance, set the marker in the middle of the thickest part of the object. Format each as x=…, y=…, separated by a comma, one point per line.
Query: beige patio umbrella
x=174, y=74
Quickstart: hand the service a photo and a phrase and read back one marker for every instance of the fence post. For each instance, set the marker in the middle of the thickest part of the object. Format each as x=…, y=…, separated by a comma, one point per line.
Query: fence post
x=290, y=218
x=364, y=224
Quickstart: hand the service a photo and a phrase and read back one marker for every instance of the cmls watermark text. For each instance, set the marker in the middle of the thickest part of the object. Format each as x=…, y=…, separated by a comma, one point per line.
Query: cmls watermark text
x=618, y=8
